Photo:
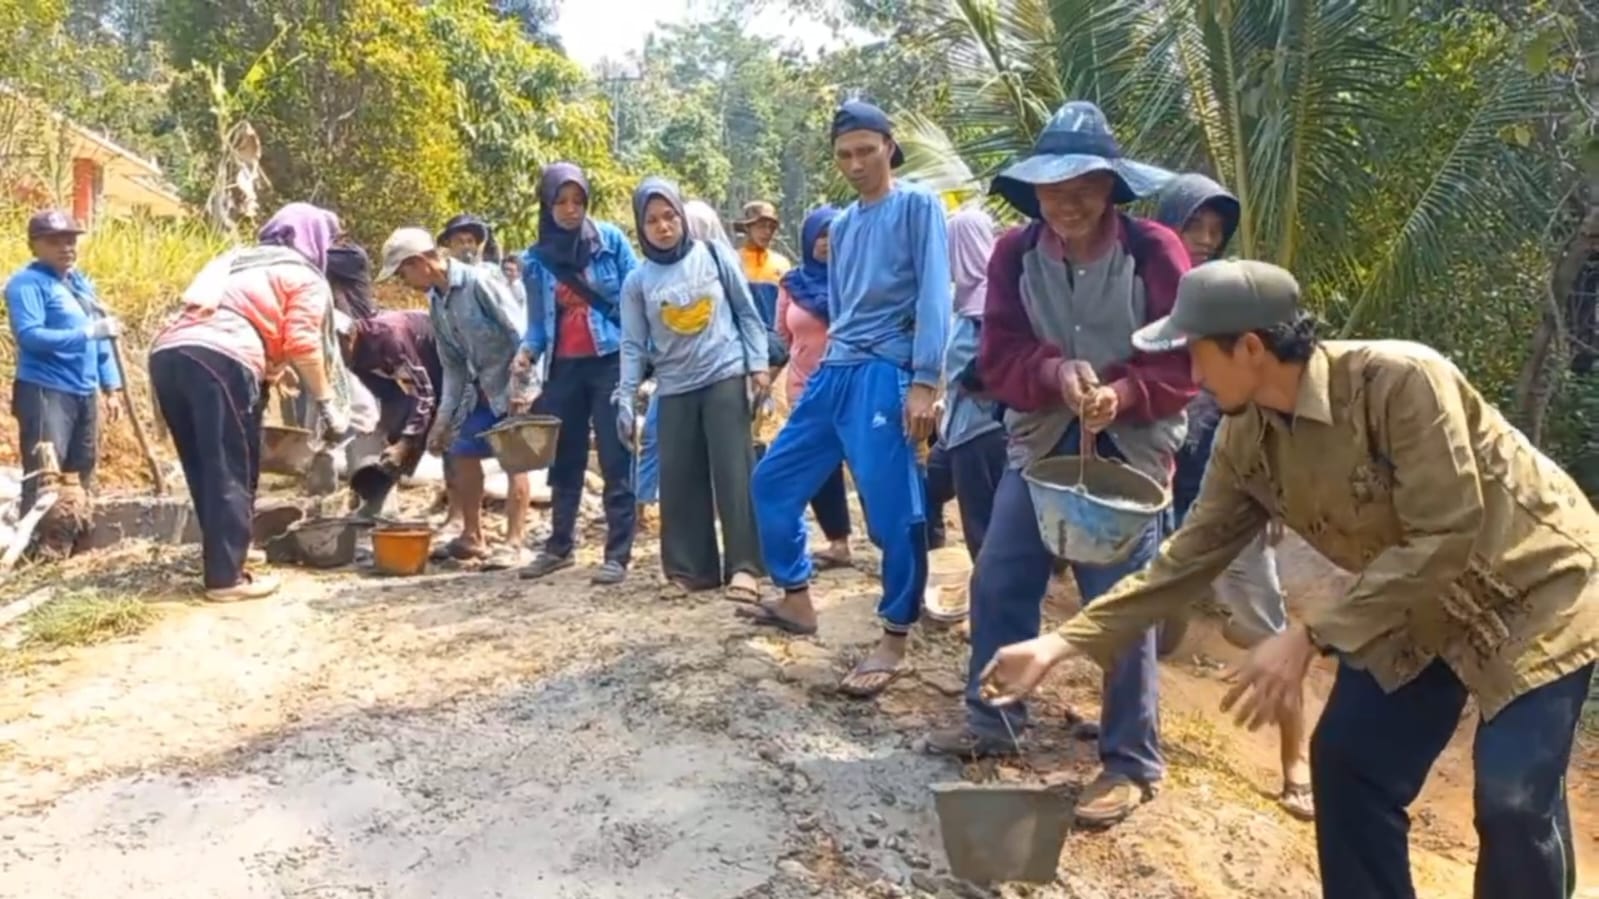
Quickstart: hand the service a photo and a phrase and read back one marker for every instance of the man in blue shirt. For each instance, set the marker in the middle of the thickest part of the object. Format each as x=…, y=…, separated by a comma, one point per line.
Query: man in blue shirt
x=64, y=357
x=871, y=402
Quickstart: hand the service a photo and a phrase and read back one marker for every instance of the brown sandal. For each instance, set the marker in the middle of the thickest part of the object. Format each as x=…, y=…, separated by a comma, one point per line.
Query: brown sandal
x=1299, y=801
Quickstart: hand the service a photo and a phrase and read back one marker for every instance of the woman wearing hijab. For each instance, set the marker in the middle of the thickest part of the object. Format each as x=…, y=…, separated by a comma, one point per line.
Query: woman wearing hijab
x=248, y=315
x=971, y=433
x=574, y=275
x=703, y=225
x=688, y=310
x=802, y=317
x=350, y=277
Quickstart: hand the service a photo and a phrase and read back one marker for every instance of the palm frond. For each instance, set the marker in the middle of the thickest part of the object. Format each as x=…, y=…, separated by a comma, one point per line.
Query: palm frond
x=1479, y=197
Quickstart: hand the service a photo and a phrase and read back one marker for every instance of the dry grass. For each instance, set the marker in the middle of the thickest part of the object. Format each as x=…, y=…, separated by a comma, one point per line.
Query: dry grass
x=85, y=617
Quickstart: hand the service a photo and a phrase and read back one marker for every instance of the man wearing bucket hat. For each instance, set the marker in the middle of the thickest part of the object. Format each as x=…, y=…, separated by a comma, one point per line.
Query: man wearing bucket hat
x=1065, y=293
x=764, y=267
x=477, y=327
x=871, y=400
x=469, y=239
x=1478, y=579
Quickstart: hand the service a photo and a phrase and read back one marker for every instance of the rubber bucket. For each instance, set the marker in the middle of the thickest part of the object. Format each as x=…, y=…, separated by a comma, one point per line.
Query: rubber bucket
x=325, y=542
x=1091, y=510
x=401, y=550
x=1001, y=833
x=524, y=443
x=286, y=450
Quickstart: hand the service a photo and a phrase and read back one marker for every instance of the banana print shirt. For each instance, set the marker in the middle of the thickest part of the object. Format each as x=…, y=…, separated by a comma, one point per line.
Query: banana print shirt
x=1470, y=545
x=679, y=317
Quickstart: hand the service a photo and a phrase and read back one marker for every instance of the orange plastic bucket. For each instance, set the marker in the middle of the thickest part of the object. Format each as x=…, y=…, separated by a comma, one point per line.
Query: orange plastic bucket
x=401, y=550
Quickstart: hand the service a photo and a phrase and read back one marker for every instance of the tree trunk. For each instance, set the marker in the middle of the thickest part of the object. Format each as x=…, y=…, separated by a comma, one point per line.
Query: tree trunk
x=1551, y=351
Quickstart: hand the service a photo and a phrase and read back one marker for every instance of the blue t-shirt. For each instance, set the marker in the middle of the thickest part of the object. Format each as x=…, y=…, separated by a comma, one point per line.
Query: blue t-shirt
x=48, y=316
x=891, y=295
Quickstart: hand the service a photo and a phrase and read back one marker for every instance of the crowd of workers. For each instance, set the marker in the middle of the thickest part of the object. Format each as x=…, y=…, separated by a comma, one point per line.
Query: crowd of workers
x=933, y=357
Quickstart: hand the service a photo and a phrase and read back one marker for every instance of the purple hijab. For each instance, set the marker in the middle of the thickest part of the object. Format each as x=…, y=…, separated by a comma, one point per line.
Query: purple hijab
x=308, y=229
x=971, y=242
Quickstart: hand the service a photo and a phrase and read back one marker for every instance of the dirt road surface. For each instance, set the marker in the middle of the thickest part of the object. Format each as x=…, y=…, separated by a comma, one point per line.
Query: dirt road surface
x=468, y=735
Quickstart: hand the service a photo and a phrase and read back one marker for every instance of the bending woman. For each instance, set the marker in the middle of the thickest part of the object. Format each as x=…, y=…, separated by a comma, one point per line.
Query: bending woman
x=802, y=318
x=248, y=315
x=687, y=310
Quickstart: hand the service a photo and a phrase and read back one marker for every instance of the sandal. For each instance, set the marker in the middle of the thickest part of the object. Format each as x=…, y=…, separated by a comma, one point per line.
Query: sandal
x=826, y=561
x=503, y=559
x=1299, y=801
x=743, y=593
x=763, y=615
x=459, y=550
x=250, y=587
x=864, y=669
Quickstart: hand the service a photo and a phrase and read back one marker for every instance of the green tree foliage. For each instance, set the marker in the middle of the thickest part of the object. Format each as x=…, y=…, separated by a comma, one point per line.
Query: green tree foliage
x=1376, y=155
x=351, y=119
x=517, y=106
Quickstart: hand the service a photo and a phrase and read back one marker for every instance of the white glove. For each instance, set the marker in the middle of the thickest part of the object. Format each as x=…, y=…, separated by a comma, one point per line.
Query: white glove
x=626, y=424
x=335, y=425
x=101, y=328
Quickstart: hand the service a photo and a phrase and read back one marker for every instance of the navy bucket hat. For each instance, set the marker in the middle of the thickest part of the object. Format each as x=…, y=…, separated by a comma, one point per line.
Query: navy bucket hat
x=1076, y=141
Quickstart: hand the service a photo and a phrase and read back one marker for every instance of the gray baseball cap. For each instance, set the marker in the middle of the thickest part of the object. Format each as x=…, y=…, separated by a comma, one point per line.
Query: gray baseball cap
x=1230, y=296
x=404, y=244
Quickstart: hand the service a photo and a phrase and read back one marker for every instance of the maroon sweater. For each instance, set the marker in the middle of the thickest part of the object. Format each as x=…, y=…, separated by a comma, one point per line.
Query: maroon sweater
x=397, y=346
x=1023, y=371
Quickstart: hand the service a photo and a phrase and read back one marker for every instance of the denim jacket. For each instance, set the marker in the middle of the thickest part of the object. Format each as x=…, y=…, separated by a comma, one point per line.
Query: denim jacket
x=477, y=324
x=606, y=272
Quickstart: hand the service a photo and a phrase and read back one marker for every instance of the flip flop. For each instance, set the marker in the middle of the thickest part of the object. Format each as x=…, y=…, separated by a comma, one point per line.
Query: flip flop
x=1298, y=801
x=763, y=615
x=823, y=561
x=894, y=673
x=458, y=550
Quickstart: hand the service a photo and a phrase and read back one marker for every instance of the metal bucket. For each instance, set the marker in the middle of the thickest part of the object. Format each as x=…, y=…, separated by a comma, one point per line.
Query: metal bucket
x=1090, y=510
x=524, y=443
x=326, y=542
x=286, y=450
x=1001, y=833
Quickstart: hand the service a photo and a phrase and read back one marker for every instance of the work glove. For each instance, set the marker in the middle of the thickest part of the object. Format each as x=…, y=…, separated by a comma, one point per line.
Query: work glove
x=335, y=424
x=101, y=328
x=626, y=424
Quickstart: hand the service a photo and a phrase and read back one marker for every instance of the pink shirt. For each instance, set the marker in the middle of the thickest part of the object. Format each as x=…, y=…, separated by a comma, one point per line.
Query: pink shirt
x=806, y=336
x=268, y=317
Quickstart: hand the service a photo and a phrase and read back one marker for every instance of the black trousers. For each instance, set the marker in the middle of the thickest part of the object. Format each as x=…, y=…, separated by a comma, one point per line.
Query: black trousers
x=1372, y=751
x=579, y=394
x=939, y=484
x=69, y=422
x=213, y=406
x=706, y=462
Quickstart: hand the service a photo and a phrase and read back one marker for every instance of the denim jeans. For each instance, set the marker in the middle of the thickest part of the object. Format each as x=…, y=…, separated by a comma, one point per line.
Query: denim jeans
x=1370, y=756
x=1012, y=573
x=579, y=393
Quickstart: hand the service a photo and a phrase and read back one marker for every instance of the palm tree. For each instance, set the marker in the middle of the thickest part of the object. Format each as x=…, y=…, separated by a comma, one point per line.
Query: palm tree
x=1371, y=157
